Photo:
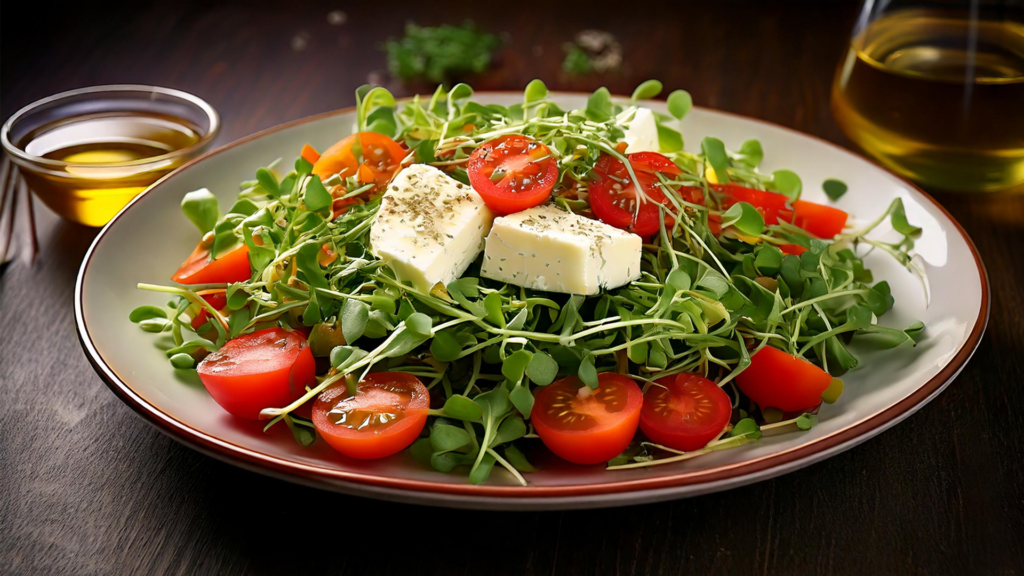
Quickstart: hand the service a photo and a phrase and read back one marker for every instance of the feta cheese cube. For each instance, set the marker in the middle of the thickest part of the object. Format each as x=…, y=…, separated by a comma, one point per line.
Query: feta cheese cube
x=641, y=130
x=547, y=248
x=430, y=227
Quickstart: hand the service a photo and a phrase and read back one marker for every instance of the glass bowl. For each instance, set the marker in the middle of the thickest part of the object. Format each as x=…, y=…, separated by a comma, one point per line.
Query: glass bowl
x=87, y=152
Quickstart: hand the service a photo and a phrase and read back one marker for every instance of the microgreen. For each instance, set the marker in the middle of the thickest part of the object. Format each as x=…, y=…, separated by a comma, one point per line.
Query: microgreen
x=646, y=90
x=679, y=103
x=833, y=188
x=440, y=53
x=201, y=208
x=705, y=301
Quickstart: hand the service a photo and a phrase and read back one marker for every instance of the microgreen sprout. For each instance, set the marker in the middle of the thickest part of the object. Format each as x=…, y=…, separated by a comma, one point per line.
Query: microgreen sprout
x=706, y=300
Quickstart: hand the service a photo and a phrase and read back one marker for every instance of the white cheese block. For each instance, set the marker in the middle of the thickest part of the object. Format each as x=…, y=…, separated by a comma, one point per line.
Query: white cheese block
x=547, y=248
x=641, y=130
x=430, y=227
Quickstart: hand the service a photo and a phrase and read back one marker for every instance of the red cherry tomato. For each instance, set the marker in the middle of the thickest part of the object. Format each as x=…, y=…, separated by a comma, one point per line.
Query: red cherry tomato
x=381, y=157
x=587, y=426
x=229, y=267
x=776, y=379
x=266, y=369
x=216, y=298
x=685, y=412
x=386, y=414
x=614, y=198
x=512, y=173
x=652, y=162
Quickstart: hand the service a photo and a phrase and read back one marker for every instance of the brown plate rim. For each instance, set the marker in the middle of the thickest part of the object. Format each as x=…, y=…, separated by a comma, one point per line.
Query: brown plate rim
x=371, y=484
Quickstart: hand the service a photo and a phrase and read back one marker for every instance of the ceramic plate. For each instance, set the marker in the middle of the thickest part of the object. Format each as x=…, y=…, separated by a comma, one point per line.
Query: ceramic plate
x=149, y=238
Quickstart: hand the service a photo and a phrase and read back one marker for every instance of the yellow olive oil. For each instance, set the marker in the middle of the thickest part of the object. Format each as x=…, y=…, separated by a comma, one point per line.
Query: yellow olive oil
x=110, y=158
x=937, y=98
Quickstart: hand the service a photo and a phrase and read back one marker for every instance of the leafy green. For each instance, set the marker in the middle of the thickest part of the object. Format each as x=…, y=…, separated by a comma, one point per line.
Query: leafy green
x=679, y=103
x=714, y=151
x=833, y=188
x=200, y=206
x=646, y=90
x=716, y=283
x=440, y=53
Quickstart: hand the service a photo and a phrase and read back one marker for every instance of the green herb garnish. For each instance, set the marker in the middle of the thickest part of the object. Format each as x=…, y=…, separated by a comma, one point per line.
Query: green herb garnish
x=706, y=300
x=441, y=53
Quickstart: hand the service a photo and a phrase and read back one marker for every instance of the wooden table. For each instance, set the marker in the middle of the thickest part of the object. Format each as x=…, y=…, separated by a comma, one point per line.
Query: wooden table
x=87, y=487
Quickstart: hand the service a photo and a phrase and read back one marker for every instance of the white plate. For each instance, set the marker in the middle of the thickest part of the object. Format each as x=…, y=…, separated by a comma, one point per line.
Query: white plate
x=149, y=238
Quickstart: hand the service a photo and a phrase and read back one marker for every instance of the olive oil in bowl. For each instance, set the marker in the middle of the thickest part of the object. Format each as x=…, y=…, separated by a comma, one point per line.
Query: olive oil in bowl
x=937, y=97
x=88, y=154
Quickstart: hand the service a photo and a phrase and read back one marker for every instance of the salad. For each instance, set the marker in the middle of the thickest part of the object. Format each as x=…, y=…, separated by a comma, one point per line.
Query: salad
x=474, y=283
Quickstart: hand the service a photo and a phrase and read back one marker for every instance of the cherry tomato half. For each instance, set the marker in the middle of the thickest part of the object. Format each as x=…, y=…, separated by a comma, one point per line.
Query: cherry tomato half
x=614, y=198
x=381, y=158
x=512, y=173
x=685, y=412
x=216, y=298
x=198, y=268
x=266, y=369
x=587, y=426
x=386, y=414
x=776, y=379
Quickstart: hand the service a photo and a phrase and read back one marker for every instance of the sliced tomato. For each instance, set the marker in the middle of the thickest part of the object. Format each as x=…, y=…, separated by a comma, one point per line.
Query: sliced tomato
x=379, y=158
x=614, y=198
x=772, y=206
x=198, y=268
x=587, y=426
x=776, y=379
x=216, y=298
x=386, y=414
x=266, y=369
x=818, y=219
x=685, y=412
x=652, y=163
x=512, y=173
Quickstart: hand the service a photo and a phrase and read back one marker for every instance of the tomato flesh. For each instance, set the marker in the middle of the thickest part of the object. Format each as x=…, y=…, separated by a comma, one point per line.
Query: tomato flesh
x=685, y=412
x=587, y=426
x=381, y=158
x=652, y=163
x=776, y=379
x=614, y=198
x=386, y=415
x=266, y=369
x=198, y=268
x=216, y=298
x=512, y=173
x=818, y=219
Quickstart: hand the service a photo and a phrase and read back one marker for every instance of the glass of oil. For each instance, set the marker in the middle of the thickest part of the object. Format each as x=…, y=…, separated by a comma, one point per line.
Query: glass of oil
x=935, y=91
x=87, y=152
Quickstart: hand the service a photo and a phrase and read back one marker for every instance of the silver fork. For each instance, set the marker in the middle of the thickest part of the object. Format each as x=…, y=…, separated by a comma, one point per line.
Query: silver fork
x=13, y=189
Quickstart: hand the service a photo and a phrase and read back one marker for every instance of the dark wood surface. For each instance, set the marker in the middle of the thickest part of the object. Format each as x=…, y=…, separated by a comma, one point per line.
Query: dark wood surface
x=87, y=487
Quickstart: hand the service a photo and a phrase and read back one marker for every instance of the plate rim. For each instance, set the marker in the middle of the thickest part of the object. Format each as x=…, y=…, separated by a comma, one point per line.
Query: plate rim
x=489, y=495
